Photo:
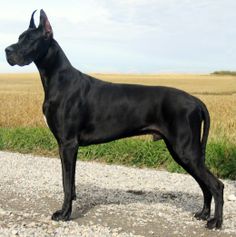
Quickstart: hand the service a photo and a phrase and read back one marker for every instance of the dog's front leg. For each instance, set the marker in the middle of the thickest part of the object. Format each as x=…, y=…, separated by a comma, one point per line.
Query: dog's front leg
x=68, y=155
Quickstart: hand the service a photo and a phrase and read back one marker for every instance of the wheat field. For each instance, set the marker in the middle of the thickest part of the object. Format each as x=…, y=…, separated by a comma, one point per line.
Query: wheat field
x=21, y=97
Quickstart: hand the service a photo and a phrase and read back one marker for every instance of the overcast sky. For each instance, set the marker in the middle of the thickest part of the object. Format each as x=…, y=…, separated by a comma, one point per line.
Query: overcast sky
x=141, y=36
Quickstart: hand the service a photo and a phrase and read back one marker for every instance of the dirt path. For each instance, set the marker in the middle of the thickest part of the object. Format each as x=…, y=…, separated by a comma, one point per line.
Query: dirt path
x=111, y=201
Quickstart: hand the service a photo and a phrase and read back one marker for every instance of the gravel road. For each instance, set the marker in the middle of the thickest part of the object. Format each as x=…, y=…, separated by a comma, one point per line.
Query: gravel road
x=111, y=201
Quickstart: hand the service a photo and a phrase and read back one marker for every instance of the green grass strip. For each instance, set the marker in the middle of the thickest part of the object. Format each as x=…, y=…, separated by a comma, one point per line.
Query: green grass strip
x=221, y=154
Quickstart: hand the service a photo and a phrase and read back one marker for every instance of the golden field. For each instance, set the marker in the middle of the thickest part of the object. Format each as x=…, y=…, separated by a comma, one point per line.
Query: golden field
x=21, y=97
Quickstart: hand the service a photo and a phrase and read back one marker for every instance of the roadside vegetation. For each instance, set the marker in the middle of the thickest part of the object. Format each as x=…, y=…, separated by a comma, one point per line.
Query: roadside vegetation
x=22, y=128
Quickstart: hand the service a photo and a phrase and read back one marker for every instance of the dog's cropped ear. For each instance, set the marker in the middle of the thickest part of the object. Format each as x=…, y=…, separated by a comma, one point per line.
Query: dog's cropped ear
x=32, y=24
x=45, y=24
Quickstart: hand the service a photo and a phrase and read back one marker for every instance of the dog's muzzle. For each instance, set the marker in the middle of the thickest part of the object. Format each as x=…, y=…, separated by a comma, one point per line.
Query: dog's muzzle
x=10, y=55
x=14, y=57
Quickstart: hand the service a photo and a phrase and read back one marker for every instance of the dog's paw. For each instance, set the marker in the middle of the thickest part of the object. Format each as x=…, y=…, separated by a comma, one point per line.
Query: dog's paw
x=202, y=215
x=214, y=223
x=61, y=215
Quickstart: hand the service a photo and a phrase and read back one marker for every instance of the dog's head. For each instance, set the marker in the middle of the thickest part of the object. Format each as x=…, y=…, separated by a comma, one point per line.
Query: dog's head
x=32, y=43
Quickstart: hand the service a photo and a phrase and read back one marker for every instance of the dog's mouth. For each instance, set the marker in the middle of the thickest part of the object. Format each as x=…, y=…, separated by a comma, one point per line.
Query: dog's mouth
x=11, y=61
x=15, y=56
x=14, y=60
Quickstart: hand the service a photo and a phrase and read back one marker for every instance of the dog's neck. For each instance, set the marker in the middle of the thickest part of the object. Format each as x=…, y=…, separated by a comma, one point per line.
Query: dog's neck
x=51, y=64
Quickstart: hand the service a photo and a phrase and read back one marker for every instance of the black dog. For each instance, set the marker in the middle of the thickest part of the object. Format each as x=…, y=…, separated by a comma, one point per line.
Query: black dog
x=82, y=110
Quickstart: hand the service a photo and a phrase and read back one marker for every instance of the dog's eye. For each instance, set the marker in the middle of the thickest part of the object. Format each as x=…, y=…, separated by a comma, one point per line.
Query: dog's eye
x=26, y=37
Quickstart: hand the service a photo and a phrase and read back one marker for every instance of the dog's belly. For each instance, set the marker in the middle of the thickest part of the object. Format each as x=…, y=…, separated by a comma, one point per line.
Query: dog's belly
x=89, y=139
x=108, y=132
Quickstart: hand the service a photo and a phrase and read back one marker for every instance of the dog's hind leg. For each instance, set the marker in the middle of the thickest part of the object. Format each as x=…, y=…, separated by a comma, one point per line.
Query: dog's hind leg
x=185, y=147
x=208, y=183
x=204, y=214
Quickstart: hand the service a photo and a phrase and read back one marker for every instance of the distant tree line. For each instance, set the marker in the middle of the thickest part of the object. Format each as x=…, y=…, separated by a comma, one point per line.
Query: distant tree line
x=223, y=73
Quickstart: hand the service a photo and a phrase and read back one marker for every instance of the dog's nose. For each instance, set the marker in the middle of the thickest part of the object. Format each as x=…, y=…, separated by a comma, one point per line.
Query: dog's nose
x=9, y=49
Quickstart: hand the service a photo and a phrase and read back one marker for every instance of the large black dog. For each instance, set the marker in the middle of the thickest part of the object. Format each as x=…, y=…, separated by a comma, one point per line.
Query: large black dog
x=82, y=110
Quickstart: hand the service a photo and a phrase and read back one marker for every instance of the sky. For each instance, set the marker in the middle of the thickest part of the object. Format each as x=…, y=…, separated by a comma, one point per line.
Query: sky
x=131, y=36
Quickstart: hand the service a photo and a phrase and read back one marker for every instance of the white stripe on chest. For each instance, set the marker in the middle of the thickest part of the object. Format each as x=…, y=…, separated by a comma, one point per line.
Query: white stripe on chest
x=45, y=120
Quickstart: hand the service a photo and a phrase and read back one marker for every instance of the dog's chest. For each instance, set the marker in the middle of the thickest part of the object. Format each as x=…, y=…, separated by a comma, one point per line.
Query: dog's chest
x=45, y=120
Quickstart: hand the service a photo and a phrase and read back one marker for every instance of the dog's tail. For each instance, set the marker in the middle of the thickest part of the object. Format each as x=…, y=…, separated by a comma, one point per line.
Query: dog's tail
x=206, y=127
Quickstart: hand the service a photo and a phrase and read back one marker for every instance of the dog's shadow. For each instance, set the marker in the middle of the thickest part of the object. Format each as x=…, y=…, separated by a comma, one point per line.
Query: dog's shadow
x=89, y=197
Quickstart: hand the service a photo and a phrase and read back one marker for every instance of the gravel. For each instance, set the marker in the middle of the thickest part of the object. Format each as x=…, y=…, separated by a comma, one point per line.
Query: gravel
x=111, y=201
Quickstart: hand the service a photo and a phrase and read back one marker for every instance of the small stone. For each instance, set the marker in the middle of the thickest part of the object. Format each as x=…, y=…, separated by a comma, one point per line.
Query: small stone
x=54, y=223
x=231, y=197
x=2, y=211
x=66, y=230
x=32, y=224
x=14, y=232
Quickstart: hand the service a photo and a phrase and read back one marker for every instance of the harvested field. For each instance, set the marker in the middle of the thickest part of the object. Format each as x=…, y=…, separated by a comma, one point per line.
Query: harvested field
x=21, y=97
